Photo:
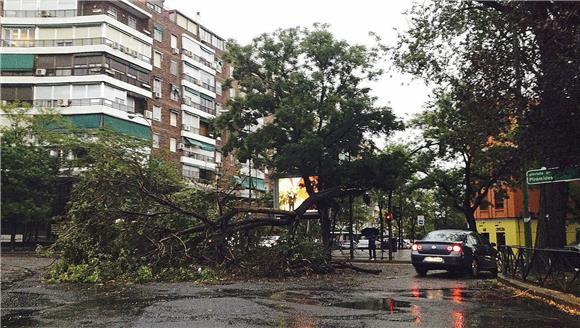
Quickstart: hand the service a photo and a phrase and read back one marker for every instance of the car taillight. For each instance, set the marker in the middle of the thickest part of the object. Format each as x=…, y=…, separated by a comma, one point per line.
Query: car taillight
x=414, y=247
x=457, y=248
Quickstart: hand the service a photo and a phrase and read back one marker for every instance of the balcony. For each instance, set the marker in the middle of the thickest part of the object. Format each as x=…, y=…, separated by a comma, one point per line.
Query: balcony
x=55, y=103
x=198, y=82
x=189, y=102
x=74, y=42
x=198, y=59
x=188, y=152
x=140, y=27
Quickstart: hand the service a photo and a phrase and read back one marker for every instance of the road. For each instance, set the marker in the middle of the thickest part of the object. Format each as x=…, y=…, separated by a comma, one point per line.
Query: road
x=395, y=298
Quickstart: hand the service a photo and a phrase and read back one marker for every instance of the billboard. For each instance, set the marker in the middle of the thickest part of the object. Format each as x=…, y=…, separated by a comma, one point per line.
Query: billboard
x=291, y=192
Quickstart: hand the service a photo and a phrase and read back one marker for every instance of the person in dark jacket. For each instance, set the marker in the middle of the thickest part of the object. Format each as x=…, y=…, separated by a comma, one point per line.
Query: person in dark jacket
x=372, y=247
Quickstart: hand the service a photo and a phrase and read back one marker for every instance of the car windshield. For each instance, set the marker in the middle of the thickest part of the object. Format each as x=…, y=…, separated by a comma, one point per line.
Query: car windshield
x=449, y=236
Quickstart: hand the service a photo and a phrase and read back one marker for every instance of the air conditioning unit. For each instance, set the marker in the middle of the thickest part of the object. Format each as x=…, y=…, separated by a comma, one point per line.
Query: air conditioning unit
x=157, y=94
x=148, y=114
x=187, y=100
x=134, y=53
x=145, y=85
x=63, y=102
x=188, y=53
x=115, y=45
x=146, y=31
x=40, y=72
x=45, y=13
x=180, y=146
x=175, y=51
x=186, y=127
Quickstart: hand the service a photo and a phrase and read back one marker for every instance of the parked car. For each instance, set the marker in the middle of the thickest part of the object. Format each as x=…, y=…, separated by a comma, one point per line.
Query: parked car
x=454, y=250
x=573, y=247
x=363, y=243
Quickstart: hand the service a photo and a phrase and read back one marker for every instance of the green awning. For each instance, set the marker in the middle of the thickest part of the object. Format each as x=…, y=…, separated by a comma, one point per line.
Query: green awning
x=200, y=144
x=16, y=63
x=126, y=127
x=96, y=121
x=255, y=183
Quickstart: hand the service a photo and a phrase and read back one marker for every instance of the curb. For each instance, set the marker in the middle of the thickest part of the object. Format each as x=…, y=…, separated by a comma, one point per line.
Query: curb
x=371, y=262
x=560, y=298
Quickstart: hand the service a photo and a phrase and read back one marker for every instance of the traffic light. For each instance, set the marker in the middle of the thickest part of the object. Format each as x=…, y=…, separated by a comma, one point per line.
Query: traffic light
x=389, y=216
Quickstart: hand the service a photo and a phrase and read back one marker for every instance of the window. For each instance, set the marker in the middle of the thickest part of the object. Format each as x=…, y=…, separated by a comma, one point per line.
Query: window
x=173, y=41
x=157, y=113
x=157, y=57
x=132, y=22
x=173, y=145
x=484, y=206
x=156, y=140
x=204, y=35
x=173, y=67
x=173, y=92
x=158, y=33
x=190, y=172
x=218, y=88
x=499, y=198
x=157, y=86
x=173, y=118
x=158, y=9
x=112, y=11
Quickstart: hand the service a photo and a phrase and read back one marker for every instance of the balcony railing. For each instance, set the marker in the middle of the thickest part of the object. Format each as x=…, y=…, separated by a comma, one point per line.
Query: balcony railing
x=195, y=105
x=55, y=13
x=203, y=158
x=56, y=103
x=82, y=71
x=41, y=13
x=198, y=82
x=72, y=43
x=198, y=58
x=189, y=128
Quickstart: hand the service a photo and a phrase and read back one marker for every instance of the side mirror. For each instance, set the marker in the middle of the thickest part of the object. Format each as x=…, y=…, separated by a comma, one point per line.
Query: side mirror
x=493, y=244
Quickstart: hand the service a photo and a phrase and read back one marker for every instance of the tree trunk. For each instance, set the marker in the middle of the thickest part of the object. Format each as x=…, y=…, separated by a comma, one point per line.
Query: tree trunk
x=325, y=225
x=555, y=127
x=552, y=220
x=470, y=217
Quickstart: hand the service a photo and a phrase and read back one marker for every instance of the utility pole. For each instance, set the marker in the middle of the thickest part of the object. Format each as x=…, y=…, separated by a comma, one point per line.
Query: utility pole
x=382, y=222
x=526, y=213
x=390, y=225
x=350, y=234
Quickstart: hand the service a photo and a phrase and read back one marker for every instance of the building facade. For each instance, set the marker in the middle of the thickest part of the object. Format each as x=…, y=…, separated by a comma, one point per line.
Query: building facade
x=134, y=66
x=129, y=65
x=500, y=217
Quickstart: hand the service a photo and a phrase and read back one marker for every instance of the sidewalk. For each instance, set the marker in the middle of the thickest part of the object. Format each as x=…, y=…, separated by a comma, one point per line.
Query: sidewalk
x=569, y=302
x=362, y=255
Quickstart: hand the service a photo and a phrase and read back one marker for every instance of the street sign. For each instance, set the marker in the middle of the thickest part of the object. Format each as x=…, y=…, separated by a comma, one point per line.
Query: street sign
x=420, y=220
x=535, y=177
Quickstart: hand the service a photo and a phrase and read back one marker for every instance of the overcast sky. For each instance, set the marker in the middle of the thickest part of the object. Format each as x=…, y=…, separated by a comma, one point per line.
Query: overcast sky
x=349, y=20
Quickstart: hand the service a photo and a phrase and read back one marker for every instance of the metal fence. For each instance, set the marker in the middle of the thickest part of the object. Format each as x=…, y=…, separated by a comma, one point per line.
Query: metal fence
x=551, y=268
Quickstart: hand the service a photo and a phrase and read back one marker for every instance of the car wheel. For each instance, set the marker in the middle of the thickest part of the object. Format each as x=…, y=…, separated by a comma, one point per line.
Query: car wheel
x=421, y=272
x=474, y=268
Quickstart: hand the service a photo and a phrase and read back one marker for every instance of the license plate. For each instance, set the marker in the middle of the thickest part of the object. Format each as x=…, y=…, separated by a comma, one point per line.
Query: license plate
x=433, y=259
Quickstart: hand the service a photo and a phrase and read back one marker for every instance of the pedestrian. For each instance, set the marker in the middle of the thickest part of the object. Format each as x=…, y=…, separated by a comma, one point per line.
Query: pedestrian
x=372, y=247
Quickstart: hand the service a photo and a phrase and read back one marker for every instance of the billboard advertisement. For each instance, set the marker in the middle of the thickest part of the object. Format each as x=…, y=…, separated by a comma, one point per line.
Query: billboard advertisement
x=291, y=192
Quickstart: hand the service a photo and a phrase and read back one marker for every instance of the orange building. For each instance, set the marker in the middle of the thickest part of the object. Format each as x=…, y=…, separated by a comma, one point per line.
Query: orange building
x=500, y=217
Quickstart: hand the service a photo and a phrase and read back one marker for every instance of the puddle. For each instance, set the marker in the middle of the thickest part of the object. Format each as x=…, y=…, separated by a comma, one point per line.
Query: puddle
x=20, y=318
x=376, y=304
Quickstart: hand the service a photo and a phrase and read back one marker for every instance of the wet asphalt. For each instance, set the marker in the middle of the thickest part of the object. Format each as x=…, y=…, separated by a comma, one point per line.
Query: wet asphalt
x=395, y=298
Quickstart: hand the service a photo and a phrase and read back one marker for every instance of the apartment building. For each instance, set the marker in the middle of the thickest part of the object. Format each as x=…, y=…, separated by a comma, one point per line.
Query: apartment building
x=133, y=66
x=90, y=60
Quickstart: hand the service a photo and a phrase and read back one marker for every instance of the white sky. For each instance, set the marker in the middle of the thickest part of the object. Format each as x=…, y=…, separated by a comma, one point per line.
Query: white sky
x=349, y=20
